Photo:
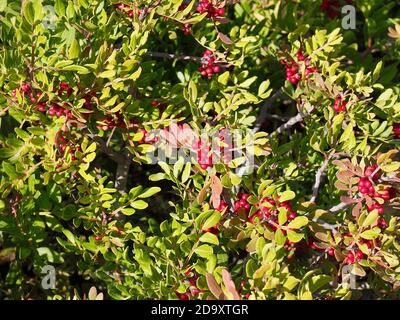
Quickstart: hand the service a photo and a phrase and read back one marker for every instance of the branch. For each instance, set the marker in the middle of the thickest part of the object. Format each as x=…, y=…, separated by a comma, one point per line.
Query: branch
x=264, y=109
x=319, y=177
x=117, y=157
x=172, y=56
x=338, y=207
x=292, y=121
x=121, y=176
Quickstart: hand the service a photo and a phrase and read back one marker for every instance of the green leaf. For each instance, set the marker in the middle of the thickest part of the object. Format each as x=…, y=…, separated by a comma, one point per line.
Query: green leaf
x=212, y=220
x=298, y=222
x=371, y=218
x=149, y=192
x=294, y=236
x=28, y=11
x=107, y=74
x=69, y=236
x=204, y=251
x=282, y=216
x=157, y=176
x=128, y=211
x=286, y=196
x=186, y=172
x=280, y=238
x=74, y=50
x=79, y=69
x=59, y=7
x=139, y=204
x=3, y=5
x=209, y=237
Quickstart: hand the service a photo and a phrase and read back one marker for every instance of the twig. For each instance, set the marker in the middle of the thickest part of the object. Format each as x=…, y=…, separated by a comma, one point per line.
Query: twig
x=172, y=56
x=292, y=121
x=264, y=109
x=338, y=207
x=121, y=176
x=319, y=177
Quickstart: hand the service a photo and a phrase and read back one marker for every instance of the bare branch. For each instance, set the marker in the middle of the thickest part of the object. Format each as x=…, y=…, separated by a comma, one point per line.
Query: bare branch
x=292, y=121
x=172, y=56
x=339, y=207
x=121, y=176
x=320, y=176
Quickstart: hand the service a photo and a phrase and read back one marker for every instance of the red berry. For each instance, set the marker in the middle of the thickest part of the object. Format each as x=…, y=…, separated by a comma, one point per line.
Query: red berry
x=98, y=238
x=359, y=255
x=330, y=252
x=396, y=130
x=220, y=12
x=350, y=258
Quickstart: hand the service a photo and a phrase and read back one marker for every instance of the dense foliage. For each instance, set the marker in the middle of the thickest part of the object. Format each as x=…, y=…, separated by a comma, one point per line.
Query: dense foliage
x=96, y=97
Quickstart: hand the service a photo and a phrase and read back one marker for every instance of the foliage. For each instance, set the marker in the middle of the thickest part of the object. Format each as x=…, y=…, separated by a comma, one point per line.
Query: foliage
x=83, y=86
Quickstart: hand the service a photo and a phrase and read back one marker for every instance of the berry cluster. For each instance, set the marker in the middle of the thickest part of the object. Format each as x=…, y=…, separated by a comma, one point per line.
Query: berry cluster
x=293, y=73
x=365, y=185
x=270, y=212
x=62, y=143
x=222, y=206
x=128, y=10
x=147, y=137
x=213, y=11
x=203, y=153
x=193, y=290
x=354, y=256
x=332, y=7
x=209, y=67
x=226, y=148
x=242, y=203
x=187, y=29
x=396, y=130
x=340, y=105
x=55, y=110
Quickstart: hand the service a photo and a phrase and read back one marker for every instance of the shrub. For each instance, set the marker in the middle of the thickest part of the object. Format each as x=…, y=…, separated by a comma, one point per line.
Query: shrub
x=193, y=150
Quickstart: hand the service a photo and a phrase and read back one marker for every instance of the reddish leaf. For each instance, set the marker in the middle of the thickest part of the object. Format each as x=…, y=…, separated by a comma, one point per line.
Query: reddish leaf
x=229, y=284
x=224, y=38
x=214, y=287
x=216, y=190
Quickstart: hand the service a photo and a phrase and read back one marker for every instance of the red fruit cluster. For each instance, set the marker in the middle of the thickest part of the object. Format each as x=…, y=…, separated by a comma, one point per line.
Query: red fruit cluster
x=242, y=203
x=396, y=130
x=339, y=105
x=147, y=137
x=212, y=10
x=222, y=206
x=209, y=67
x=365, y=186
x=62, y=143
x=271, y=212
x=55, y=110
x=226, y=149
x=187, y=29
x=332, y=7
x=128, y=10
x=369, y=243
x=354, y=256
x=193, y=290
x=376, y=206
x=293, y=68
x=203, y=153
